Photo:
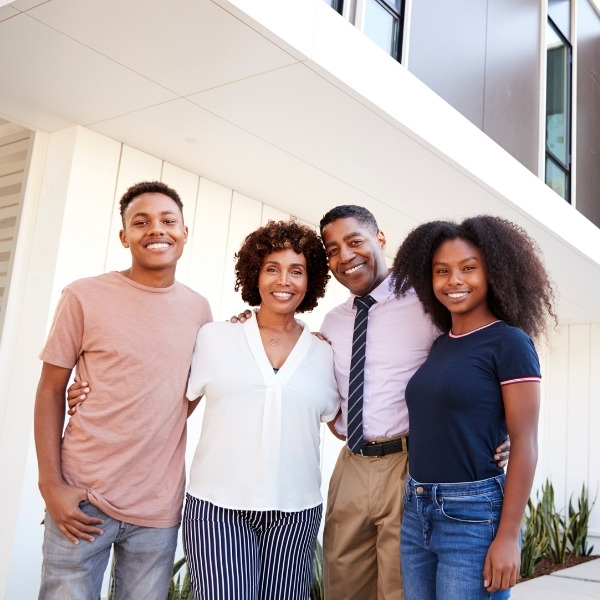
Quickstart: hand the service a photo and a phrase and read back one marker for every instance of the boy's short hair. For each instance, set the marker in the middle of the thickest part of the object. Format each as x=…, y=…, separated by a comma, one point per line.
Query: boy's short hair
x=147, y=187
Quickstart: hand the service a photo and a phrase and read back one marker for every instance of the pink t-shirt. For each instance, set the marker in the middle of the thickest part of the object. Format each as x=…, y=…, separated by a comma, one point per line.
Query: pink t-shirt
x=133, y=344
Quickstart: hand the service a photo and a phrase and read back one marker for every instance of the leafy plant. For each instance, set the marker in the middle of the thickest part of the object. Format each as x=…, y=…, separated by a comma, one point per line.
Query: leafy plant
x=316, y=585
x=578, y=524
x=535, y=543
x=554, y=525
x=179, y=590
x=547, y=532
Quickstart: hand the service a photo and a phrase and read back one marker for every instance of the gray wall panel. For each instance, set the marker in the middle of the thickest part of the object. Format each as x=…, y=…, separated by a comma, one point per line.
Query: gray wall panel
x=512, y=89
x=447, y=51
x=482, y=57
x=588, y=112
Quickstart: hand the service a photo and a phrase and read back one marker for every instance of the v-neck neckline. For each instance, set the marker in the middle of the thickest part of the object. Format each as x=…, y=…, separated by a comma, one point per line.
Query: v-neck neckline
x=287, y=369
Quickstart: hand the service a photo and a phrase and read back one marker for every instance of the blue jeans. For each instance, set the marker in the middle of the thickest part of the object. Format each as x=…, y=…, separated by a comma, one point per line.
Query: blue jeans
x=446, y=532
x=143, y=560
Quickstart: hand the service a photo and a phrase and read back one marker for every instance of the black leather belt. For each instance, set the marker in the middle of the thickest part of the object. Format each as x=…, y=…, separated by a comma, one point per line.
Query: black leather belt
x=383, y=448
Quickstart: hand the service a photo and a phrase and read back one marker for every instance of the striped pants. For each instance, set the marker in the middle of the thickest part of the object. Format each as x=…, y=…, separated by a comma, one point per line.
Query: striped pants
x=249, y=555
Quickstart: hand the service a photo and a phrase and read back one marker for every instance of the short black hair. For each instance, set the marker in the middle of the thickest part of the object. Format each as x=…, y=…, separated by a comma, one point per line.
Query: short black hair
x=274, y=237
x=350, y=211
x=147, y=187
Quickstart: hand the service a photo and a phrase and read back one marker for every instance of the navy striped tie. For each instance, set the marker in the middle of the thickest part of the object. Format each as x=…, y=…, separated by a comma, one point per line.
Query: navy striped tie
x=357, y=373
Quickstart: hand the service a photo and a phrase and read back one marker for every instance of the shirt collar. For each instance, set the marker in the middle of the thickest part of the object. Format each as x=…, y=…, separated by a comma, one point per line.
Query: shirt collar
x=382, y=293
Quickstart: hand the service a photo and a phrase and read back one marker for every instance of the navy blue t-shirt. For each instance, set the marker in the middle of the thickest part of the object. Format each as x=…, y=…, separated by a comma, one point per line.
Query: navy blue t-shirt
x=455, y=403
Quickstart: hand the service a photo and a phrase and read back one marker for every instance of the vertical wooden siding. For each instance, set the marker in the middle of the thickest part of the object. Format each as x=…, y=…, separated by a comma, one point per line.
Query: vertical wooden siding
x=15, y=145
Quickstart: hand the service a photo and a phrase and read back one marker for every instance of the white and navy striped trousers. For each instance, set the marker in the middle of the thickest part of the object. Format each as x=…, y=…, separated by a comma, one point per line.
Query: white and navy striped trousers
x=249, y=555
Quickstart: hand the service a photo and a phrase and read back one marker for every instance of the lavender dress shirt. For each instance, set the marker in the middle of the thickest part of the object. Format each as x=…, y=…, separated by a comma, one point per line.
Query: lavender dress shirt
x=399, y=337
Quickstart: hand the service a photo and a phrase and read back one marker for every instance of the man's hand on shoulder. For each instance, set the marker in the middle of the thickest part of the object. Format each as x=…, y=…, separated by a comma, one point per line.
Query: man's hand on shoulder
x=242, y=317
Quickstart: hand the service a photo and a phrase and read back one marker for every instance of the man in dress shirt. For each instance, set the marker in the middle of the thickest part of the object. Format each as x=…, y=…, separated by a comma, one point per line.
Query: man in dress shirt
x=361, y=543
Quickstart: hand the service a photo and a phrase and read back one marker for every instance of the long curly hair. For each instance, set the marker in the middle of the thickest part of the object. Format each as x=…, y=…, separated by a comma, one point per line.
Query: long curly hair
x=519, y=289
x=273, y=237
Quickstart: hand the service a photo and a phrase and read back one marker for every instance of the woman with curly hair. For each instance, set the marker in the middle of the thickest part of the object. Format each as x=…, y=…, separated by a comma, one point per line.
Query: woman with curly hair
x=253, y=504
x=485, y=287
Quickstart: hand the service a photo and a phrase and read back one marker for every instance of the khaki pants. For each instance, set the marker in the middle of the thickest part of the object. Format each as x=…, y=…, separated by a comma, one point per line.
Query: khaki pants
x=361, y=541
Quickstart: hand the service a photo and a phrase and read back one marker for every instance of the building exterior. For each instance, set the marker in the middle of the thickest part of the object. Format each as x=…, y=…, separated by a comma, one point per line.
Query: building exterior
x=258, y=109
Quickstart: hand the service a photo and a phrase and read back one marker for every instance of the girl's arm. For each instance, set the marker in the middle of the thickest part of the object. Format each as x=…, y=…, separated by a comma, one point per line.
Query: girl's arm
x=521, y=407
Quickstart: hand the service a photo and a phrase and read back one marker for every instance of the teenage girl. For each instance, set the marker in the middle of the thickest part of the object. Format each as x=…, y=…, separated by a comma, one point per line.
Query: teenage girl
x=484, y=285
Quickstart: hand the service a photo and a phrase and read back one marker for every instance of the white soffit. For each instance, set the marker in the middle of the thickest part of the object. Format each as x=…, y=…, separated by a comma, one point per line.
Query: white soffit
x=185, y=45
x=284, y=102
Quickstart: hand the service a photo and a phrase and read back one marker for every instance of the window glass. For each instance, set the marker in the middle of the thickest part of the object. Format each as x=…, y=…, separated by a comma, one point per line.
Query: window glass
x=381, y=26
x=337, y=5
x=557, y=178
x=557, y=118
x=560, y=13
x=394, y=5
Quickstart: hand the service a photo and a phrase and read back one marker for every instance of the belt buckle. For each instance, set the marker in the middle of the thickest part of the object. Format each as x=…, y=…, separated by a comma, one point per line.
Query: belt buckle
x=365, y=444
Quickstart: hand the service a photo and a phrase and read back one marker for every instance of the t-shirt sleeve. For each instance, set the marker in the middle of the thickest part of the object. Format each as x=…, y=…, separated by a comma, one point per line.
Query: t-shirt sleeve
x=199, y=368
x=65, y=340
x=517, y=359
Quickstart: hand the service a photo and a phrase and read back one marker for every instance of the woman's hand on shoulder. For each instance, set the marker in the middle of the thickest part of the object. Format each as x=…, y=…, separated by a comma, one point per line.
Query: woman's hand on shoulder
x=319, y=335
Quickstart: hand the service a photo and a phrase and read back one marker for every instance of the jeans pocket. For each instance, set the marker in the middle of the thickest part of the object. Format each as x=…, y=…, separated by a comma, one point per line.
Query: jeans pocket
x=469, y=509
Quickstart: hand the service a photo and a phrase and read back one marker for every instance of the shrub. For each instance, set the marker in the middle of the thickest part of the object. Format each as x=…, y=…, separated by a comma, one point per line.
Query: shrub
x=546, y=532
x=535, y=542
x=578, y=524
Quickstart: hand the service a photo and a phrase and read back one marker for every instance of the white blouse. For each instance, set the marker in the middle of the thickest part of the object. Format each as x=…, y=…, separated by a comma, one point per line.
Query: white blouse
x=259, y=445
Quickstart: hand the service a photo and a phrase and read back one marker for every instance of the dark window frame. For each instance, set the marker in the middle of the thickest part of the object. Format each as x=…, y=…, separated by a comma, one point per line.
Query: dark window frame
x=565, y=167
x=390, y=7
x=337, y=5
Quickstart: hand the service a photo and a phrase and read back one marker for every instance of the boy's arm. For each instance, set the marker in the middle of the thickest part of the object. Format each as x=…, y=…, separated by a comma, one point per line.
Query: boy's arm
x=62, y=500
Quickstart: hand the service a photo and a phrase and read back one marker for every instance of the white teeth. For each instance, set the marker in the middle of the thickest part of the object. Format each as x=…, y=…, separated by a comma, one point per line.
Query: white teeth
x=282, y=295
x=458, y=295
x=352, y=269
x=158, y=245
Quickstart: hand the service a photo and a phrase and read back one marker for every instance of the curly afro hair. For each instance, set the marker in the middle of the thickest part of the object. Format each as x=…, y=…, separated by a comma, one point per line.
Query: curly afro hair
x=274, y=237
x=519, y=290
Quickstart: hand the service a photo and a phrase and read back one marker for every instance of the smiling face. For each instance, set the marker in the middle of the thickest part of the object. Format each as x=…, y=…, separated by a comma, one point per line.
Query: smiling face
x=460, y=283
x=155, y=234
x=282, y=281
x=355, y=255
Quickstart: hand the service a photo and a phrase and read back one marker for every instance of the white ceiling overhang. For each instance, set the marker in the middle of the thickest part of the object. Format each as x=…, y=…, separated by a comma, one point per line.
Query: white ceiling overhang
x=285, y=102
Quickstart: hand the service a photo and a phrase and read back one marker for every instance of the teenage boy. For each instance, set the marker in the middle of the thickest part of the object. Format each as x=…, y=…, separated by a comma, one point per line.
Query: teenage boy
x=115, y=478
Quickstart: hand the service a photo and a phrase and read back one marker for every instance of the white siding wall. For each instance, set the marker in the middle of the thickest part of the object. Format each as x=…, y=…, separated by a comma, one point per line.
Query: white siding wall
x=570, y=418
x=70, y=229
